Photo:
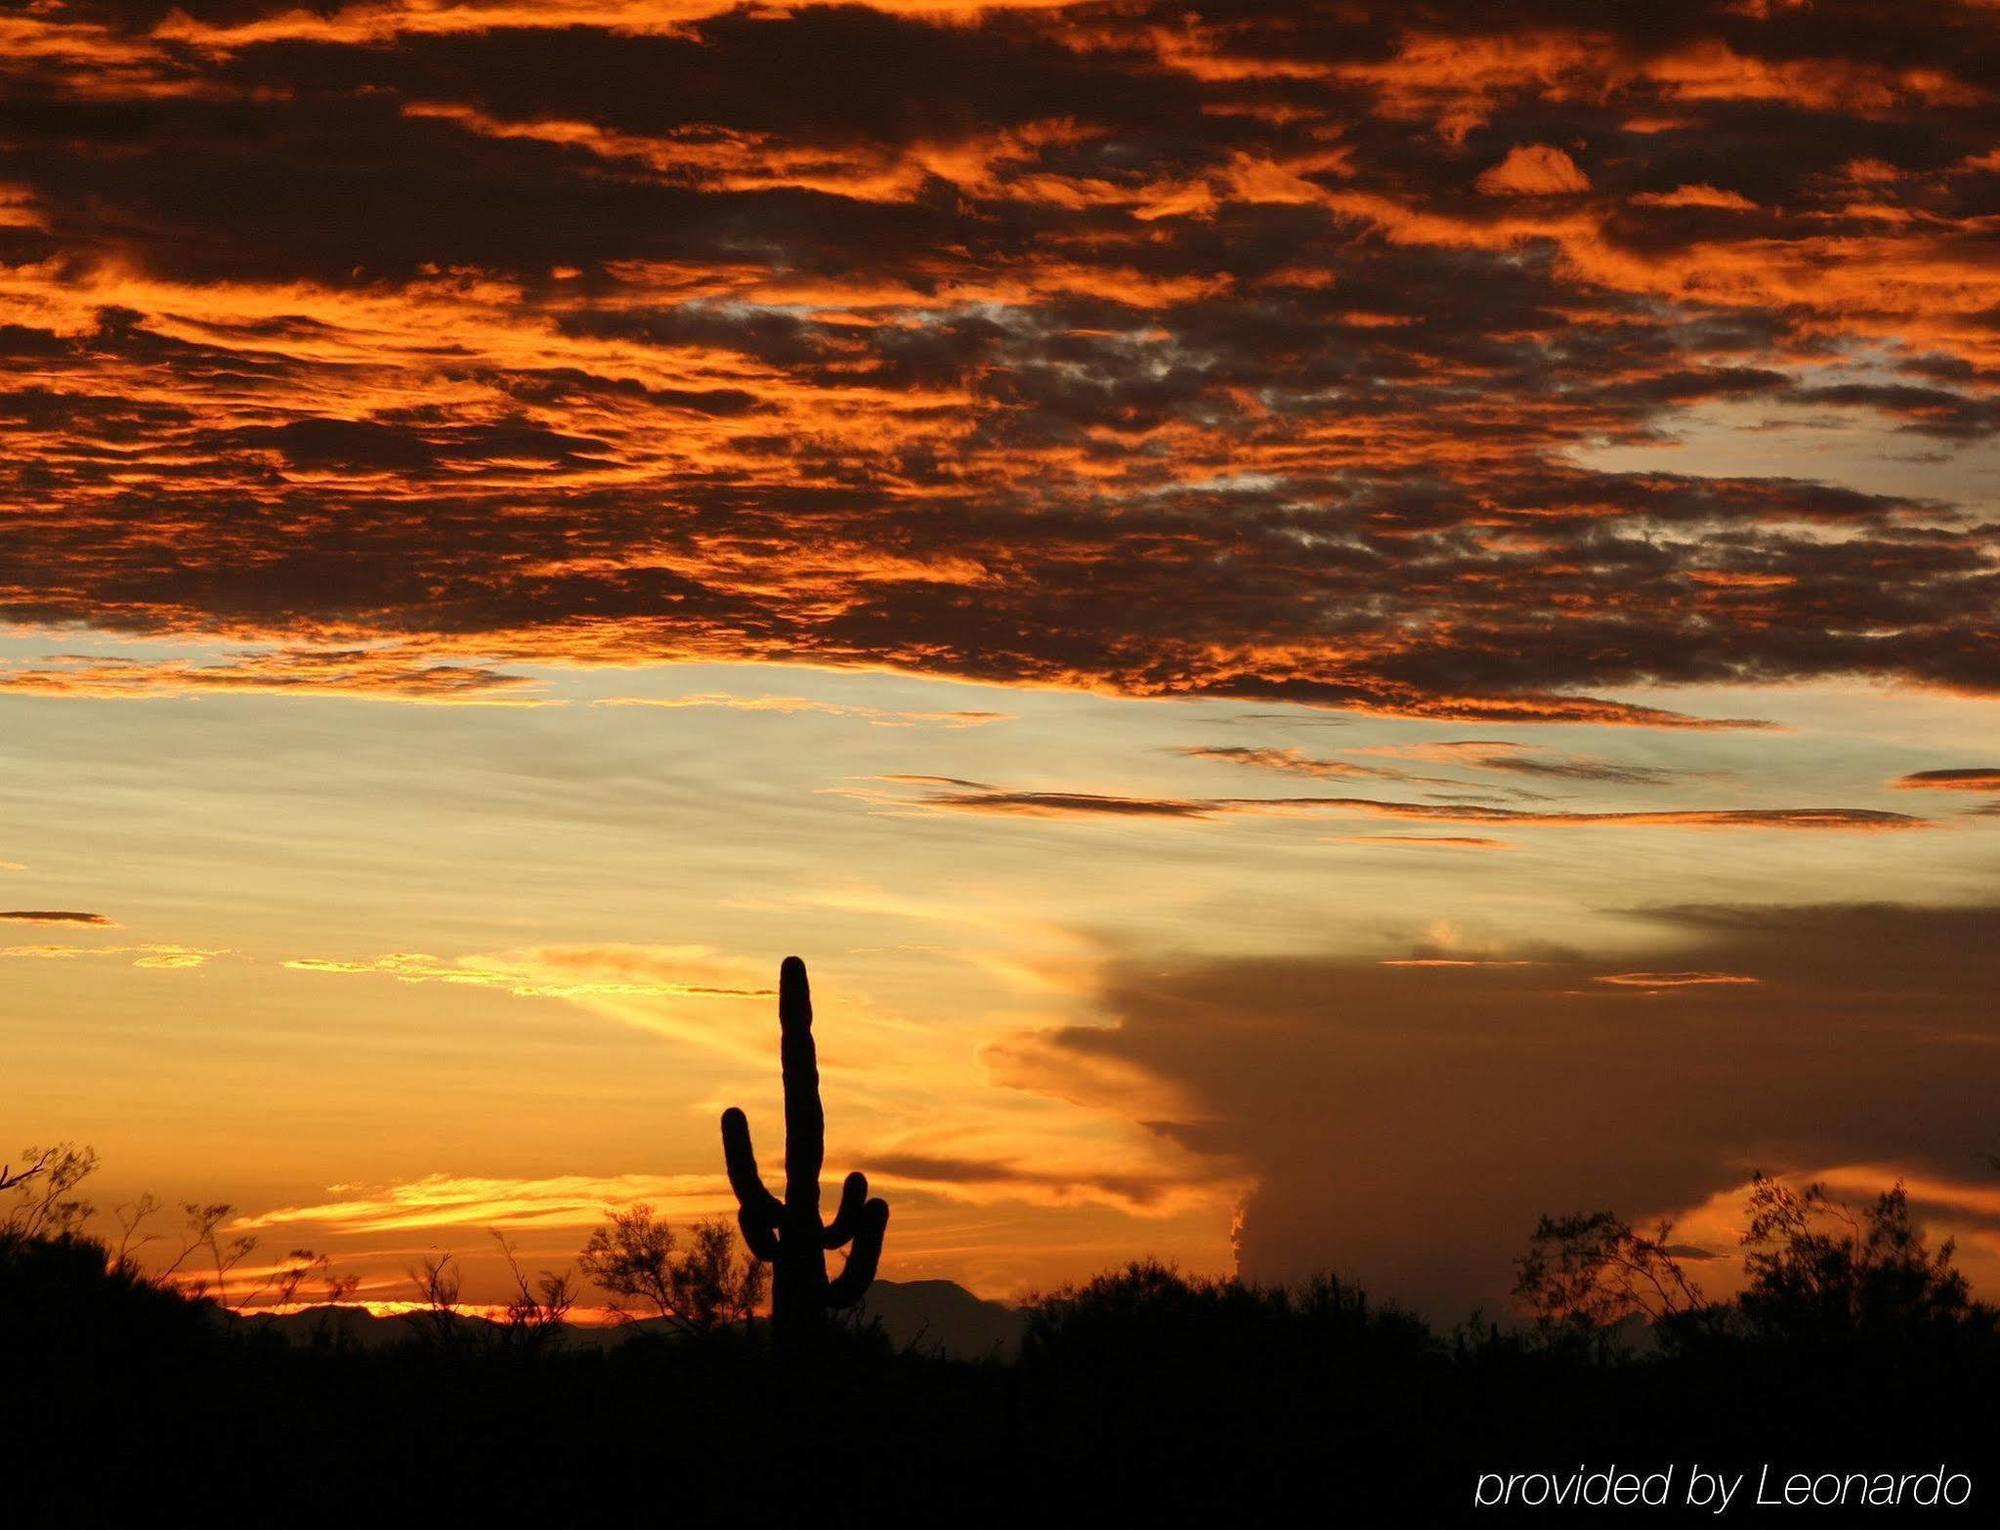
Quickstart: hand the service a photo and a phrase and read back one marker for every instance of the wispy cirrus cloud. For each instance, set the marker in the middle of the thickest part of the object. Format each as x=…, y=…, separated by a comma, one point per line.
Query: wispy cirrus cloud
x=1502, y=755
x=462, y=1201
x=566, y=972
x=373, y=674
x=1296, y=762
x=973, y=797
x=681, y=992
x=881, y=717
x=988, y=1181
x=153, y=957
x=1424, y=841
x=447, y=1202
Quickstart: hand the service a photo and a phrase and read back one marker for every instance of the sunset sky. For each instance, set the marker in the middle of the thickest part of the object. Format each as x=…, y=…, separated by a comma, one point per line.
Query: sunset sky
x=1329, y=627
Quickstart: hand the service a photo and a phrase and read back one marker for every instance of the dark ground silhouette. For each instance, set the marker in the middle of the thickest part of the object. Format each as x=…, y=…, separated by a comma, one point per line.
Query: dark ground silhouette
x=1142, y=1398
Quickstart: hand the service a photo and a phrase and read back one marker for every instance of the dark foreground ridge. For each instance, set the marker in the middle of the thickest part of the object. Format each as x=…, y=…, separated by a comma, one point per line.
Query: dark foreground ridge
x=1143, y=1398
x=1853, y=1359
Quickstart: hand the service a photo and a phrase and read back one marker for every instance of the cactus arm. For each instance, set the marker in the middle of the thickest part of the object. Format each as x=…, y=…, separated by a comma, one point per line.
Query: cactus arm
x=757, y=1233
x=847, y=1288
x=757, y=1203
x=805, y=1121
x=847, y=1220
x=788, y=1234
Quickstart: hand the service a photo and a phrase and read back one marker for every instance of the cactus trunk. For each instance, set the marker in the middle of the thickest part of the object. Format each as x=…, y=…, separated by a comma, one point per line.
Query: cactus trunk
x=789, y=1234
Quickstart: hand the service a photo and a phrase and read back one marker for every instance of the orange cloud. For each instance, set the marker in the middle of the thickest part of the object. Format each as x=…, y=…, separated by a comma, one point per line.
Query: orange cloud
x=944, y=373
x=1700, y=194
x=1654, y=981
x=1533, y=170
x=1457, y=961
x=372, y=675
x=1982, y=778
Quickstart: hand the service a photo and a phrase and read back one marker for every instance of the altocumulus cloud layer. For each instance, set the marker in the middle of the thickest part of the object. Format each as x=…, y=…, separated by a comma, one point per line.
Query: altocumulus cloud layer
x=1098, y=345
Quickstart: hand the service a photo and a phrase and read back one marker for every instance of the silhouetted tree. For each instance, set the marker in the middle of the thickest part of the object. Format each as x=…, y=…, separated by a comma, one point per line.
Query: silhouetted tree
x=788, y=1234
x=45, y=1205
x=1820, y=1268
x=131, y=1216
x=439, y=1285
x=1583, y=1275
x=538, y=1309
x=202, y=1233
x=702, y=1287
x=715, y=1285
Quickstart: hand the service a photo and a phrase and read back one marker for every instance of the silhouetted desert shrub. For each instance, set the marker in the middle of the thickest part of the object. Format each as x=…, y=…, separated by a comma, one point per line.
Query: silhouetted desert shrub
x=65, y=1300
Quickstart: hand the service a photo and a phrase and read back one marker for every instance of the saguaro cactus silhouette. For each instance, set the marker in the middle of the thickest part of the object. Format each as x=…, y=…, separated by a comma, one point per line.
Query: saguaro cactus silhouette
x=788, y=1234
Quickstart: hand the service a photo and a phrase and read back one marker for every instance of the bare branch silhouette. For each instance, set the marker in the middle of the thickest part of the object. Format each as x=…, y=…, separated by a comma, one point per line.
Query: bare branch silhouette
x=539, y=1308
x=45, y=1206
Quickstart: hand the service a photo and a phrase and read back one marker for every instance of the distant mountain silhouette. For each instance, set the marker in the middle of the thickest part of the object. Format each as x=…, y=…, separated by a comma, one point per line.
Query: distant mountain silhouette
x=942, y=1317
x=937, y=1317
x=355, y=1326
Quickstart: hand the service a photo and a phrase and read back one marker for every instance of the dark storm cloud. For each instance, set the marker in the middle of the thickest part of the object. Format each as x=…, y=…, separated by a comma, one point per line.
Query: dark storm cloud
x=1243, y=354
x=901, y=77
x=1408, y=1123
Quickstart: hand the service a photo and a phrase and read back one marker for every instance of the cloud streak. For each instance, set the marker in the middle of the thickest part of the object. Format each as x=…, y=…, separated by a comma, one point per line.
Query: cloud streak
x=681, y=992
x=881, y=717
x=356, y=672
x=471, y=1201
x=153, y=957
x=565, y=972
x=1984, y=778
x=968, y=797
x=1500, y=755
